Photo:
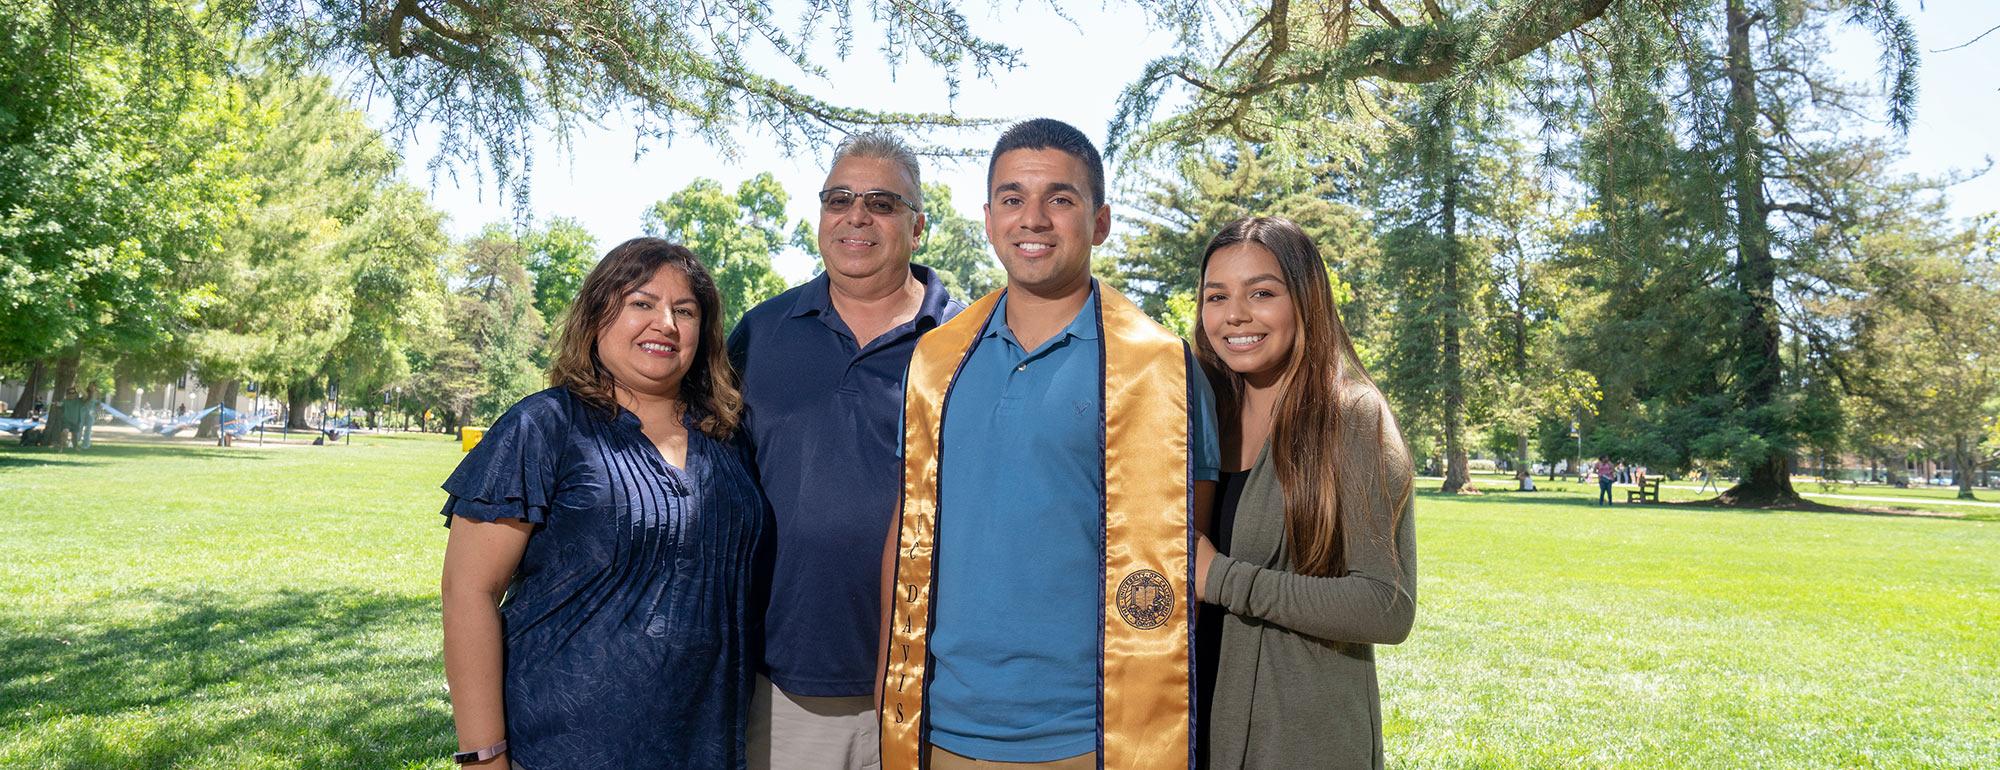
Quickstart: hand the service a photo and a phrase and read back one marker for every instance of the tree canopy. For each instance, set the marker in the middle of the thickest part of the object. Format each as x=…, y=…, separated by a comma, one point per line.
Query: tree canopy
x=1652, y=221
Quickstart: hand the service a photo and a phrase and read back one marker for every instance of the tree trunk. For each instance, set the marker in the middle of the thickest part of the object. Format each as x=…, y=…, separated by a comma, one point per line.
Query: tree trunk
x=1520, y=321
x=217, y=396
x=124, y=393
x=56, y=431
x=298, y=396
x=1962, y=473
x=1759, y=367
x=1456, y=474
x=31, y=390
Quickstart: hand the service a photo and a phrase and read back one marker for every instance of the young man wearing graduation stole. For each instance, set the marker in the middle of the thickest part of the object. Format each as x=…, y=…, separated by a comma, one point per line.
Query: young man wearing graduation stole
x=1057, y=444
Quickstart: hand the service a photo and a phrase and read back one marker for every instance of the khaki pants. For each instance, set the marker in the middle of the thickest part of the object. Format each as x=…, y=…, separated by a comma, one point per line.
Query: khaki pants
x=945, y=760
x=801, y=732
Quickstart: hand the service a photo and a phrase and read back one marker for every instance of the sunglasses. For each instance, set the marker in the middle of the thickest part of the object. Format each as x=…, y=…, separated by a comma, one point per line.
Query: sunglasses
x=877, y=202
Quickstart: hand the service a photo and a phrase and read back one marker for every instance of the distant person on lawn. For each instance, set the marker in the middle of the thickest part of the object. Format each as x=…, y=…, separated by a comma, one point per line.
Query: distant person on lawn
x=618, y=522
x=1606, y=473
x=77, y=413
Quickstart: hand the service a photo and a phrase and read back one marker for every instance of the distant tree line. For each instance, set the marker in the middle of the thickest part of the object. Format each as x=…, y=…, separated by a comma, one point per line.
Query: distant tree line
x=1645, y=229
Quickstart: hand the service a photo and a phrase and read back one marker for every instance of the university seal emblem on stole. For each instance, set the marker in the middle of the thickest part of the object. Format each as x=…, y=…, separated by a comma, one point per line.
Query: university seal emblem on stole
x=1145, y=599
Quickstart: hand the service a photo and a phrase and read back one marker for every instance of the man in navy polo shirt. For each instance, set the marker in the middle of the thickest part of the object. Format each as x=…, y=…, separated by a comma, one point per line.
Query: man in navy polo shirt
x=822, y=368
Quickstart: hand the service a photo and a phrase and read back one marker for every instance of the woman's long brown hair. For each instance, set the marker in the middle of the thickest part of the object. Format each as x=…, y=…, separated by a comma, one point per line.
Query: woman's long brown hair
x=708, y=390
x=1334, y=443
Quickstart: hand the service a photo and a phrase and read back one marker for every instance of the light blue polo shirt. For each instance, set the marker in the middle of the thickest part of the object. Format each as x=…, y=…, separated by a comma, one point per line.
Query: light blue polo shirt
x=1020, y=531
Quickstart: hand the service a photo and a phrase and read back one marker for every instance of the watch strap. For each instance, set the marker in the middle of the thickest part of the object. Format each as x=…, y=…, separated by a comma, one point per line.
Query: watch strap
x=481, y=755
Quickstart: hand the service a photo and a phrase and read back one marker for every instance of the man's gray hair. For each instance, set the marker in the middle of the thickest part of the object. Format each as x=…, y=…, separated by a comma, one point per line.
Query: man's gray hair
x=885, y=146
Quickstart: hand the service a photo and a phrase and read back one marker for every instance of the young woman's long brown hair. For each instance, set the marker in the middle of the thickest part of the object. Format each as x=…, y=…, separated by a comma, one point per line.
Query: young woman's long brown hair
x=709, y=389
x=1334, y=442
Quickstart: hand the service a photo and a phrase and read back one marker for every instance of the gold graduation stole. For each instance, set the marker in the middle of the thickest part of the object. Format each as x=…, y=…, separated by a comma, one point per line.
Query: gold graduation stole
x=1144, y=687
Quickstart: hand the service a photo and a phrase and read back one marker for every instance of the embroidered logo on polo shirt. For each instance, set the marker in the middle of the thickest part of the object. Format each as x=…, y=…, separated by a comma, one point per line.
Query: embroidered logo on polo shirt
x=1145, y=599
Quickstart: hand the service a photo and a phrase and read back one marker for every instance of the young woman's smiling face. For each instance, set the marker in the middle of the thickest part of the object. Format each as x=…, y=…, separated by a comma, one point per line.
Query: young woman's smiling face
x=652, y=341
x=1247, y=312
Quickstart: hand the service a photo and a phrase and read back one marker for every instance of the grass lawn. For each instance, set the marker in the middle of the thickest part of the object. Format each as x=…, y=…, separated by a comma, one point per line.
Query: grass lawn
x=1553, y=633
x=189, y=607
x=168, y=605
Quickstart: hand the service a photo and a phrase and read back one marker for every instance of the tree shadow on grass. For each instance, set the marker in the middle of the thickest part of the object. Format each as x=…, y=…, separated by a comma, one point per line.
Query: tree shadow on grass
x=22, y=460
x=105, y=454
x=1555, y=499
x=302, y=679
x=1560, y=499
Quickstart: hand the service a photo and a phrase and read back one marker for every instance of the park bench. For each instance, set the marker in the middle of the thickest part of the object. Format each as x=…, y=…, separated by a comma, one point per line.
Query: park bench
x=1648, y=492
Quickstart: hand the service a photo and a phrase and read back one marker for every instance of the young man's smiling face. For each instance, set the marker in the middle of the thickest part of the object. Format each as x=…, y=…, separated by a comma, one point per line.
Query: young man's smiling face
x=1043, y=222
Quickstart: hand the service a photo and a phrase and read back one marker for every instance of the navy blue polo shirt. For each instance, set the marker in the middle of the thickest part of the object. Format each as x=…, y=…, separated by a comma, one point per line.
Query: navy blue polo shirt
x=823, y=417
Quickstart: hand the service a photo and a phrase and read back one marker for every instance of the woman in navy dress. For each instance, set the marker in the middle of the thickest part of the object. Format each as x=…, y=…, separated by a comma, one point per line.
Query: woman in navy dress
x=618, y=524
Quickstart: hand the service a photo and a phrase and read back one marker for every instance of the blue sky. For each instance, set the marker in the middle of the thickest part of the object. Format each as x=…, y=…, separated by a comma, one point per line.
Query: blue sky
x=1074, y=71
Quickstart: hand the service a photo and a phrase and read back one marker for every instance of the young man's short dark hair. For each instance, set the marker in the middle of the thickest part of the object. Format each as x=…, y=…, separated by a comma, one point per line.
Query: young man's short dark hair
x=1051, y=134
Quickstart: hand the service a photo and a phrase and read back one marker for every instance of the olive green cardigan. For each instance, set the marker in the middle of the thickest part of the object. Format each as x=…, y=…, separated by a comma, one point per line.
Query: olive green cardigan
x=1295, y=679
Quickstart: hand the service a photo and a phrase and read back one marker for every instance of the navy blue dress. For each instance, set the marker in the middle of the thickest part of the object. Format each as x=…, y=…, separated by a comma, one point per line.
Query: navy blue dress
x=626, y=622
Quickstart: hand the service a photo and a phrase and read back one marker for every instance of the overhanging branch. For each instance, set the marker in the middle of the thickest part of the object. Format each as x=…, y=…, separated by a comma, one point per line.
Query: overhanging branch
x=1437, y=54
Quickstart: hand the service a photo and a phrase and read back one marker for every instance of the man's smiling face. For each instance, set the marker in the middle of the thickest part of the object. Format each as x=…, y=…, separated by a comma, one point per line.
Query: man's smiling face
x=857, y=243
x=1042, y=221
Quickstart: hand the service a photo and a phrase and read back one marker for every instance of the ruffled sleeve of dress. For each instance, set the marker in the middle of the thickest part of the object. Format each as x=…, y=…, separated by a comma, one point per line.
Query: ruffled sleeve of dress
x=511, y=473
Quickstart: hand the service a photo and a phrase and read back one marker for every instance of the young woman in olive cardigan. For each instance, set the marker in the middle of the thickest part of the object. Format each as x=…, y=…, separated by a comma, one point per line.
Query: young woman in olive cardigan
x=1310, y=558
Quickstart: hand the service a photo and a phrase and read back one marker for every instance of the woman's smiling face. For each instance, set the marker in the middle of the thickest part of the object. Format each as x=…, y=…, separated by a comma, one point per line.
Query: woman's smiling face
x=650, y=344
x=1247, y=312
